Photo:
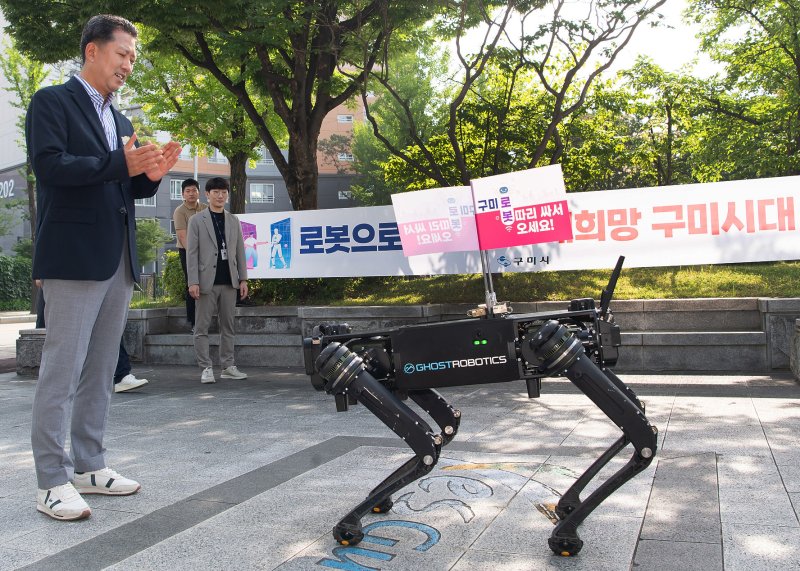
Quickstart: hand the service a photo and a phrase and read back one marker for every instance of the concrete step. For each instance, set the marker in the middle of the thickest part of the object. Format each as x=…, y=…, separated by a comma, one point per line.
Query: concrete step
x=262, y=350
x=701, y=351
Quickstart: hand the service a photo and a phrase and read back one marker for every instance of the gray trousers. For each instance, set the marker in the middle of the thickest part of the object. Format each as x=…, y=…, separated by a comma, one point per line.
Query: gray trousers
x=85, y=321
x=222, y=302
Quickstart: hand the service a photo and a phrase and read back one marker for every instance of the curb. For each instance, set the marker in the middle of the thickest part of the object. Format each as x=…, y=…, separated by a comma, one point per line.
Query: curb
x=17, y=317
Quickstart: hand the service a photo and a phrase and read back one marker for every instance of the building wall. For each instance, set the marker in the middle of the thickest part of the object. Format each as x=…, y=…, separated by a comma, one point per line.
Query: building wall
x=13, y=191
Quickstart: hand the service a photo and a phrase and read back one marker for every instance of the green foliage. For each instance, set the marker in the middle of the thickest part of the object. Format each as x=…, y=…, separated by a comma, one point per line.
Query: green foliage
x=15, y=279
x=23, y=248
x=172, y=281
x=751, y=127
x=297, y=291
x=15, y=305
x=298, y=56
x=150, y=236
x=503, y=105
x=188, y=102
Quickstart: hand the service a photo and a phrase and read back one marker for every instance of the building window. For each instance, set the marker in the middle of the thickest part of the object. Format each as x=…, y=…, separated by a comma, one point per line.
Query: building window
x=217, y=158
x=186, y=153
x=262, y=193
x=345, y=195
x=175, y=189
x=344, y=118
x=264, y=158
x=346, y=157
x=145, y=201
x=172, y=228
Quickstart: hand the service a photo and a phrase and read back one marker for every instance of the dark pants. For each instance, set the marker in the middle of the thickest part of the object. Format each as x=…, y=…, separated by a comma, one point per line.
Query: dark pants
x=189, y=298
x=123, y=364
x=40, y=310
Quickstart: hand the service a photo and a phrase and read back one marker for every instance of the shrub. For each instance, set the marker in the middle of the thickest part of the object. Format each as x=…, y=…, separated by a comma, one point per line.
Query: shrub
x=297, y=290
x=15, y=278
x=173, y=283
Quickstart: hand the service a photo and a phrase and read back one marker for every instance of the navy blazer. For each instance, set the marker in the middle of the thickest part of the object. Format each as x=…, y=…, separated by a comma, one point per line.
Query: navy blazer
x=84, y=194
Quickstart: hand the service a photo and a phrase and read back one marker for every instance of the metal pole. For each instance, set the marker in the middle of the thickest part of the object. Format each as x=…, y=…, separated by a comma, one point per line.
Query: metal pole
x=491, y=296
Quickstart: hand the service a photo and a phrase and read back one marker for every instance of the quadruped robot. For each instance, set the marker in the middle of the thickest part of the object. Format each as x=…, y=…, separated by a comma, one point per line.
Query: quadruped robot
x=381, y=369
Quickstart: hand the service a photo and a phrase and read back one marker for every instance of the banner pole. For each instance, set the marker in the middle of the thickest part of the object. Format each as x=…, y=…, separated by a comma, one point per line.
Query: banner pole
x=491, y=296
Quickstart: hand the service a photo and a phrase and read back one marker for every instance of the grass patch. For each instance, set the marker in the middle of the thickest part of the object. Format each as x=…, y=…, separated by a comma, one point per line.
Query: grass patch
x=773, y=279
x=768, y=279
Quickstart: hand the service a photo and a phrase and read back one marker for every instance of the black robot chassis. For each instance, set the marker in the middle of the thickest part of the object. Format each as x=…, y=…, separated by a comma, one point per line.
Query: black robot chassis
x=380, y=369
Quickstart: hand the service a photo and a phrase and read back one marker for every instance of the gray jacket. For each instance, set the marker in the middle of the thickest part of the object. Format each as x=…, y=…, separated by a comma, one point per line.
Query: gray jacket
x=201, y=251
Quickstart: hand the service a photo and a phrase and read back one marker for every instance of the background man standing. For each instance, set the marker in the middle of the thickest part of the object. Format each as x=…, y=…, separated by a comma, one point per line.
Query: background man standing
x=85, y=255
x=190, y=189
x=217, y=277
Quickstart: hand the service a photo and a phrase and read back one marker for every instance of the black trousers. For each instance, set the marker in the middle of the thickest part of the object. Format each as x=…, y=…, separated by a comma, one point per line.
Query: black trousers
x=123, y=364
x=189, y=299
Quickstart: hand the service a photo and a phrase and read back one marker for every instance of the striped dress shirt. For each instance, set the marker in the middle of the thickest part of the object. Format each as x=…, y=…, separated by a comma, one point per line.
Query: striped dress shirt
x=103, y=107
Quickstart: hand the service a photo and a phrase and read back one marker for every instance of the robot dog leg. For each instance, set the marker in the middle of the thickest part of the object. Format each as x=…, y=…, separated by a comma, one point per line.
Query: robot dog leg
x=558, y=351
x=344, y=373
x=446, y=417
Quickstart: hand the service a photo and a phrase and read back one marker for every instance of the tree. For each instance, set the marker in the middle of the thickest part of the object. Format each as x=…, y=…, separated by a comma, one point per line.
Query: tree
x=664, y=106
x=512, y=93
x=150, y=237
x=752, y=118
x=288, y=52
x=189, y=103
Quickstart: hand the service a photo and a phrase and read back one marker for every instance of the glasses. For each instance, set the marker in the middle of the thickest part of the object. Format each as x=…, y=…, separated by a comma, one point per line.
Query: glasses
x=218, y=191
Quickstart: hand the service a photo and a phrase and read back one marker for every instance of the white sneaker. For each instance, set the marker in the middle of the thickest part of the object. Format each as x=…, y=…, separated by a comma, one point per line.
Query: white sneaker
x=208, y=376
x=233, y=373
x=62, y=502
x=129, y=382
x=106, y=482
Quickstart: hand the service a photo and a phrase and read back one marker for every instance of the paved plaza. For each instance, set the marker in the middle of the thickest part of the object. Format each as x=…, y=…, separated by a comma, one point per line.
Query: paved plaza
x=254, y=474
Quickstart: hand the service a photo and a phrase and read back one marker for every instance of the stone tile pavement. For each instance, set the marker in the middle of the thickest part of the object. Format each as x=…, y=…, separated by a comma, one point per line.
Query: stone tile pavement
x=254, y=474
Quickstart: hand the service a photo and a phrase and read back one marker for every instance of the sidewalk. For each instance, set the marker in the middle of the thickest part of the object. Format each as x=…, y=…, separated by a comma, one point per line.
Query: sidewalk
x=10, y=324
x=254, y=474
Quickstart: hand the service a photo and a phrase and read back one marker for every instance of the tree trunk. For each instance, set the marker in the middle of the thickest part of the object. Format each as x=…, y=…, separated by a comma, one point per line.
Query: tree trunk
x=238, y=164
x=303, y=175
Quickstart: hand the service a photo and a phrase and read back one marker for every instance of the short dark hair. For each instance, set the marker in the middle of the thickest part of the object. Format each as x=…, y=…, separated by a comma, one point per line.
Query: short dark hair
x=100, y=30
x=189, y=182
x=217, y=183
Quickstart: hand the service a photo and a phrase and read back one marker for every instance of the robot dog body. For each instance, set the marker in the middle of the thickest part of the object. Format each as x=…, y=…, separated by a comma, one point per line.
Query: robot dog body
x=380, y=369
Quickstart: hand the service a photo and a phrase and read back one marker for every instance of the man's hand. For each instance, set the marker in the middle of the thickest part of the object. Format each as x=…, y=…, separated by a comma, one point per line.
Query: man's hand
x=169, y=156
x=141, y=159
x=194, y=291
x=242, y=289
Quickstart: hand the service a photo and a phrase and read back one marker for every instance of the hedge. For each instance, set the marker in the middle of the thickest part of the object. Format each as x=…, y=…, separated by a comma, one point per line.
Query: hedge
x=15, y=278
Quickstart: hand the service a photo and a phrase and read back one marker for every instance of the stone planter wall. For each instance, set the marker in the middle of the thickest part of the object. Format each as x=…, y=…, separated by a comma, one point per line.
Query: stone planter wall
x=738, y=335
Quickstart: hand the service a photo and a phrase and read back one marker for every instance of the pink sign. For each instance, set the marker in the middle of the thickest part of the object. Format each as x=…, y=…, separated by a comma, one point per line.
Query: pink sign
x=535, y=224
x=522, y=208
x=438, y=235
x=436, y=220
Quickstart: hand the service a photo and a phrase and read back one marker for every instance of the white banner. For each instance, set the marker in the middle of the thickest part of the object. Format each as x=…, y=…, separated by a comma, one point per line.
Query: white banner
x=726, y=222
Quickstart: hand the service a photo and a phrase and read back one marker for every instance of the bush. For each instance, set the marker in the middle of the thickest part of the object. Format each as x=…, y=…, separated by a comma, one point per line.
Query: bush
x=173, y=283
x=15, y=279
x=298, y=290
